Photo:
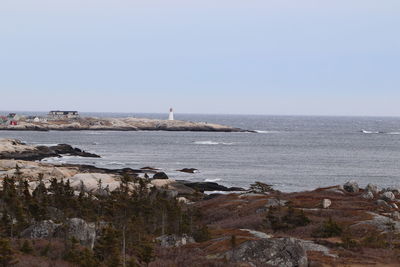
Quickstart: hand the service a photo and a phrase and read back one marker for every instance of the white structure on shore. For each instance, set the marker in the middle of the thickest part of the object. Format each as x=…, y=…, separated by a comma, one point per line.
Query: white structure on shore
x=171, y=114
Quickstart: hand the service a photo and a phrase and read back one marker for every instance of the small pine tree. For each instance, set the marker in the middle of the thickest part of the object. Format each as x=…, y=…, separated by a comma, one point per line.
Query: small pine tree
x=6, y=254
x=26, y=247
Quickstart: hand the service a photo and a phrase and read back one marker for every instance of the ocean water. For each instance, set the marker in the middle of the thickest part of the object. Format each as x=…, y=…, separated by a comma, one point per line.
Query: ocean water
x=292, y=153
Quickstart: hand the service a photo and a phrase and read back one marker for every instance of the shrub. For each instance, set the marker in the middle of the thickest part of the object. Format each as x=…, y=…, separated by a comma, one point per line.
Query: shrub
x=259, y=187
x=328, y=229
x=293, y=218
x=26, y=247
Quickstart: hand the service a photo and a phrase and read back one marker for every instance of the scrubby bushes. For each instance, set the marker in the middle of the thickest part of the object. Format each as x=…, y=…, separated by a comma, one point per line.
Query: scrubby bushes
x=282, y=218
x=328, y=228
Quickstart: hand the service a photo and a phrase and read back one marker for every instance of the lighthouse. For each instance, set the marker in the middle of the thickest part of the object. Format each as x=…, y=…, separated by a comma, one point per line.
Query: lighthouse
x=171, y=114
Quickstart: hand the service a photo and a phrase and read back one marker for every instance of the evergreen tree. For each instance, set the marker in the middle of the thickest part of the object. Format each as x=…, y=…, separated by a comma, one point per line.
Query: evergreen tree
x=6, y=254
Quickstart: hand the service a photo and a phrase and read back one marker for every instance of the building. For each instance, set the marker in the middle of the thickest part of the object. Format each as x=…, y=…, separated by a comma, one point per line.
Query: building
x=61, y=114
x=171, y=114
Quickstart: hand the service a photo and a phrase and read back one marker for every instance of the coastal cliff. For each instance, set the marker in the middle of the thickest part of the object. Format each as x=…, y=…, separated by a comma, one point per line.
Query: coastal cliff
x=118, y=124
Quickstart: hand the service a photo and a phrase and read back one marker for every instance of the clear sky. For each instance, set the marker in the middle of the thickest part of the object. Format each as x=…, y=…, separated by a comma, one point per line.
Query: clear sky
x=297, y=57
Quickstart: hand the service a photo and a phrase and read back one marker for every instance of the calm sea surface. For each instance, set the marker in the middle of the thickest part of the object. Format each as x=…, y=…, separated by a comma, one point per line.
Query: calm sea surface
x=292, y=153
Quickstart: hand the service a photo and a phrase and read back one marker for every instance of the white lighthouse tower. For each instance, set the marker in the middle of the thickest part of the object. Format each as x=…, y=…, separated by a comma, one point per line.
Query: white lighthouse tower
x=171, y=114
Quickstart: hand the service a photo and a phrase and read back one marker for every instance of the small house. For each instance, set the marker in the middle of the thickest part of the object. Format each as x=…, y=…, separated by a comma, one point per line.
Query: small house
x=61, y=114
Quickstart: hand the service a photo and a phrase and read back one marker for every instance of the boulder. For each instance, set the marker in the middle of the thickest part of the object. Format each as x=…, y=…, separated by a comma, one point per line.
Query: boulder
x=368, y=195
x=326, y=203
x=387, y=196
x=382, y=203
x=283, y=252
x=351, y=186
x=40, y=230
x=91, y=181
x=174, y=240
x=372, y=188
x=79, y=229
x=274, y=202
x=382, y=223
x=160, y=175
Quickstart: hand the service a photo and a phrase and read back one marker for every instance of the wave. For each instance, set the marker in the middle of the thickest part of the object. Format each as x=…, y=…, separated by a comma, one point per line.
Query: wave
x=212, y=143
x=212, y=180
x=265, y=132
x=369, y=132
x=115, y=163
x=394, y=133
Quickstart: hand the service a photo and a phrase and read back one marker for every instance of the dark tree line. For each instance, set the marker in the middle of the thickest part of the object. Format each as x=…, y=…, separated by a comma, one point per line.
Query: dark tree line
x=130, y=216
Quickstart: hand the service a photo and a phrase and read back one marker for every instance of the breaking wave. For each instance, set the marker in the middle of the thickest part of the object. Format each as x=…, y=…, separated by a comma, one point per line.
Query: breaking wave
x=212, y=180
x=265, y=132
x=369, y=132
x=211, y=143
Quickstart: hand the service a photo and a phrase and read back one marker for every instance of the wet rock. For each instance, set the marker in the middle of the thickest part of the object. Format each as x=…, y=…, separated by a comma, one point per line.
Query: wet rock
x=188, y=170
x=208, y=186
x=368, y=195
x=160, y=175
x=40, y=230
x=351, y=186
x=326, y=203
x=283, y=252
x=372, y=188
x=388, y=196
x=174, y=240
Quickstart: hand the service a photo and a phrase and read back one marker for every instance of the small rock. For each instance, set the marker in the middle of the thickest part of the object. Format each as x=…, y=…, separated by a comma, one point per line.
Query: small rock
x=273, y=202
x=394, y=206
x=368, y=195
x=388, y=196
x=326, y=203
x=351, y=186
x=372, y=188
x=175, y=240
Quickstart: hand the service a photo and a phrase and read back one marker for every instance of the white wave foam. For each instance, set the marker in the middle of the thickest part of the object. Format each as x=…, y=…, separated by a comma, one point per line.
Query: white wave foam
x=369, y=132
x=394, y=133
x=212, y=180
x=212, y=143
x=265, y=132
x=206, y=143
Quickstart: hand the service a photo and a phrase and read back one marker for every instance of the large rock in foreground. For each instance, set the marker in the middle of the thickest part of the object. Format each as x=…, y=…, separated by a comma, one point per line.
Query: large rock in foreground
x=282, y=252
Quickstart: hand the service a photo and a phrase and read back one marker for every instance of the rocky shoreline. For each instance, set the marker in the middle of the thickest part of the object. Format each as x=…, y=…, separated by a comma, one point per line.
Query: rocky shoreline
x=119, y=124
x=343, y=225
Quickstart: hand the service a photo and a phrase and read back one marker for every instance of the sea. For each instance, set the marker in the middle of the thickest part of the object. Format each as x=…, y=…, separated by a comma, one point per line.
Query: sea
x=292, y=153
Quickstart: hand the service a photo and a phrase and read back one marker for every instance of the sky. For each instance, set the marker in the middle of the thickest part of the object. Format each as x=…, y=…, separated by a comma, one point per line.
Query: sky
x=278, y=57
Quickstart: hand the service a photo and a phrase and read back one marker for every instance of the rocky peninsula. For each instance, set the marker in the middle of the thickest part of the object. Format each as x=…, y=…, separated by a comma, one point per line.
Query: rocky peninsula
x=116, y=124
x=144, y=218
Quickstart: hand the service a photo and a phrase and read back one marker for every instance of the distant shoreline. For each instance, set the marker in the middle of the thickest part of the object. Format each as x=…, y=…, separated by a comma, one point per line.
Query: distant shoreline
x=118, y=124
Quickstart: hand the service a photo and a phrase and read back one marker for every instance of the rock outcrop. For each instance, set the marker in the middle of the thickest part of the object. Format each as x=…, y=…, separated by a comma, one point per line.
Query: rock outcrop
x=351, y=186
x=167, y=241
x=283, y=252
x=119, y=124
x=41, y=230
x=15, y=149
